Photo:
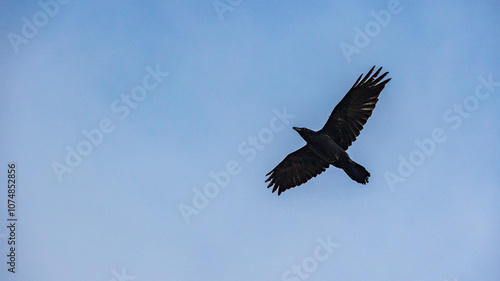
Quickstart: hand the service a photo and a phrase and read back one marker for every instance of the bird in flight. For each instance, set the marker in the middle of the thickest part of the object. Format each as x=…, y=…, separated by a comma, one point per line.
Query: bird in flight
x=328, y=146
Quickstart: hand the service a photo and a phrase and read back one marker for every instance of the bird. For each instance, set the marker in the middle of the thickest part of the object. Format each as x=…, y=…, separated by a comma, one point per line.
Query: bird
x=328, y=146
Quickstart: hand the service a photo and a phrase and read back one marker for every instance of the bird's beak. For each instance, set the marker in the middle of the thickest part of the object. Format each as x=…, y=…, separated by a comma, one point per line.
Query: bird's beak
x=296, y=129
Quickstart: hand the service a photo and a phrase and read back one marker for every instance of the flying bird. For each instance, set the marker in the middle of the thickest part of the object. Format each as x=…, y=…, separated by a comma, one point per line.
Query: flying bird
x=328, y=146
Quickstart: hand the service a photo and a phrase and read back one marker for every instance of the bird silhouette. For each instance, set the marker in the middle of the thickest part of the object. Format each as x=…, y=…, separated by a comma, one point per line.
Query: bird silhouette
x=328, y=146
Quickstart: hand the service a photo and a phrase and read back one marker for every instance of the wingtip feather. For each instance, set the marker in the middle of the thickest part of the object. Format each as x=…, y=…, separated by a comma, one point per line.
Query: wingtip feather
x=367, y=75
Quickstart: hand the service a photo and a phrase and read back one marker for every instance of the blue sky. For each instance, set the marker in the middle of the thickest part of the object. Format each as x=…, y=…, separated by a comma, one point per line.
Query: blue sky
x=142, y=131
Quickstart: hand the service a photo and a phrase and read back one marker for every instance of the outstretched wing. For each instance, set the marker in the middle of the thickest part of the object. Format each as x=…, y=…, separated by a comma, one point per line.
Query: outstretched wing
x=297, y=168
x=350, y=115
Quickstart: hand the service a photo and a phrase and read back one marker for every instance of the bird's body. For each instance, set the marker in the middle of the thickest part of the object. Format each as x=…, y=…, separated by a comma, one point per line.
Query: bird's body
x=328, y=146
x=329, y=151
x=323, y=146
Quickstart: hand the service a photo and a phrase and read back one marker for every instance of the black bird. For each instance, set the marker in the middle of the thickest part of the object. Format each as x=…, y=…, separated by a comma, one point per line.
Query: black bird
x=328, y=146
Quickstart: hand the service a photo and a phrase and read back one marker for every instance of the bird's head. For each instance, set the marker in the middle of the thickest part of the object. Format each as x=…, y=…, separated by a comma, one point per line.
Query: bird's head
x=305, y=133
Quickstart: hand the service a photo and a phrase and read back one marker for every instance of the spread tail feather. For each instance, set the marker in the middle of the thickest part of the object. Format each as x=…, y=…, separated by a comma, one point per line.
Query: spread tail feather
x=356, y=172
